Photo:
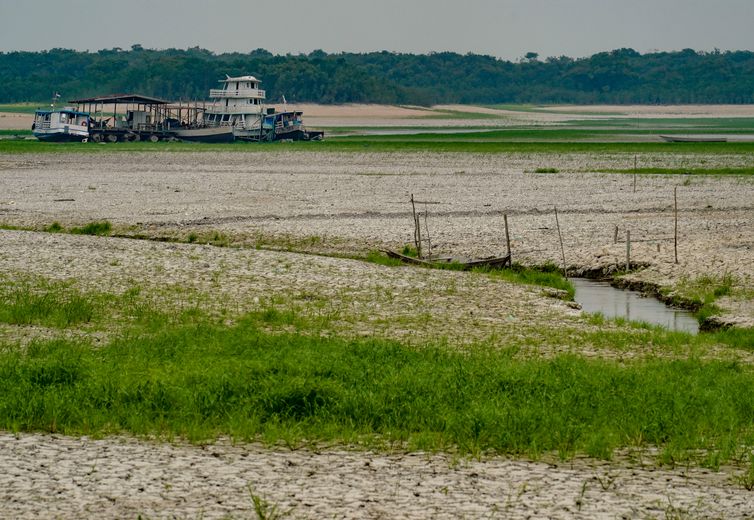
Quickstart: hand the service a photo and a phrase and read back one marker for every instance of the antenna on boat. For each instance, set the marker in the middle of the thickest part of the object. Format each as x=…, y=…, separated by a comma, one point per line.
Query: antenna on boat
x=55, y=97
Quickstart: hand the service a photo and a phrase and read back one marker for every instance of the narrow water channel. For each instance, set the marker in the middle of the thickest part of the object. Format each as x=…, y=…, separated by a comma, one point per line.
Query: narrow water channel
x=598, y=296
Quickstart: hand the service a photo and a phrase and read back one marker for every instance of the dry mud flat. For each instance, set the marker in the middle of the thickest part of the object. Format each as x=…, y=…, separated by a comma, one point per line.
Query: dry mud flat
x=351, y=203
x=50, y=476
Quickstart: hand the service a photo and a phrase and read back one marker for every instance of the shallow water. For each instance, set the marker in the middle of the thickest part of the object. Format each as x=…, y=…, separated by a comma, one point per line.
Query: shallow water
x=597, y=296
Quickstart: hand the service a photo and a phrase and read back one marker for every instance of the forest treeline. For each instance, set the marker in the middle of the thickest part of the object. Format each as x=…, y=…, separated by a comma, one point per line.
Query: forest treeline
x=621, y=76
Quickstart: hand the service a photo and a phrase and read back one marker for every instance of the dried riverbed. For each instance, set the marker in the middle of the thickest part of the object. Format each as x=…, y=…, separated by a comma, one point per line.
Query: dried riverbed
x=349, y=204
x=62, y=477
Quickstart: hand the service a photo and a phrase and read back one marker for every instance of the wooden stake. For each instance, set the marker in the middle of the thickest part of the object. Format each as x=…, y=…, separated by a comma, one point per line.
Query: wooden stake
x=615, y=235
x=562, y=250
x=426, y=228
x=628, y=250
x=675, y=231
x=507, y=238
x=417, y=229
x=634, y=174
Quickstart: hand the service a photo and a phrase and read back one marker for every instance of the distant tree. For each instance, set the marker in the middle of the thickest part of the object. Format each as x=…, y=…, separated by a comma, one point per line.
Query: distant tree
x=618, y=76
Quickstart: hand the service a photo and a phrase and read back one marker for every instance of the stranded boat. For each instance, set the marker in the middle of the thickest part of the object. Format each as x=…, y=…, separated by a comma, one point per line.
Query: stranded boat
x=239, y=104
x=65, y=124
x=694, y=139
x=236, y=112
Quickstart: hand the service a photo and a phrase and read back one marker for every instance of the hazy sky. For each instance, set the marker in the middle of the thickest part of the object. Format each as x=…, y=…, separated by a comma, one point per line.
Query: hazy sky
x=503, y=28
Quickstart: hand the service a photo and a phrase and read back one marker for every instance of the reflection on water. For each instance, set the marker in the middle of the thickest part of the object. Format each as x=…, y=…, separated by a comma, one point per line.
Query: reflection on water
x=596, y=296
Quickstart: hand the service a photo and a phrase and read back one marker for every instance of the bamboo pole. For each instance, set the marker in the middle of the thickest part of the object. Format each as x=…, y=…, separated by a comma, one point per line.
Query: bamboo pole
x=634, y=174
x=426, y=228
x=615, y=235
x=417, y=229
x=628, y=250
x=675, y=230
x=562, y=250
x=507, y=238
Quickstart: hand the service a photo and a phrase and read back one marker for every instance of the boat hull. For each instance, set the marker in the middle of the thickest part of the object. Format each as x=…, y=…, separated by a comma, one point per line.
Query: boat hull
x=220, y=134
x=60, y=136
x=693, y=139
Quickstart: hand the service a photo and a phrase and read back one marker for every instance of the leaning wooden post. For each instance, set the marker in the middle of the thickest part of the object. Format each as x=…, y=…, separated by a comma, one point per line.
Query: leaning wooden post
x=426, y=228
x=615, y=235
x=507, y=239
x=634, y=174
x=628, y=250
x=417, y=229
x=675, y=231
x=562, y=250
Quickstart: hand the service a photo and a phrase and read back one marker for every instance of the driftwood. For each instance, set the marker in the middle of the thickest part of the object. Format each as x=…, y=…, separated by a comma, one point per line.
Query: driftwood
x=492, y=261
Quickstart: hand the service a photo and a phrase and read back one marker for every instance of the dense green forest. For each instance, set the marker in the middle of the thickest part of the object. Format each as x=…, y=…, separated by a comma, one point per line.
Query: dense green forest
x=620, y=76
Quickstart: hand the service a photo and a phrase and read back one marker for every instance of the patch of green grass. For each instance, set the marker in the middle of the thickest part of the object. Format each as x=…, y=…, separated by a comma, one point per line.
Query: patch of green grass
x=205, y=380
x=701, y=292
x=13, y=227
x=546, y=170
x=409, y=250
x=22, y=108
x=48, y=304
x=93, y=228
x=548, y=275
x=529, y=141
x=18, y=132
x=377, y=257
x=55, y=227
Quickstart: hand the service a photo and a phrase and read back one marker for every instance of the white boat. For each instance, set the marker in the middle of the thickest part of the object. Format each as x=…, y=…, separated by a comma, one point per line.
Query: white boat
x=239, y=104
x=59, y=125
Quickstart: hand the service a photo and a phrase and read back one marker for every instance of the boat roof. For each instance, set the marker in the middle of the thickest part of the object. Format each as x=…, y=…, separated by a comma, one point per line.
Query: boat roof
x=239, y=78
x=122, y=99
x=67, y=110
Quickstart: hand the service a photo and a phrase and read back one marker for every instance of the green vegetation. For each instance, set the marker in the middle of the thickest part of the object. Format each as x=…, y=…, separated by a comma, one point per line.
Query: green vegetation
x=621, y=76
x=48, y=304
x=460, y=143
x=546, y=170
x=548, y=275
x=202, y=380
x=701, y=293
x=93, y=228
x=19, y=108
x=55, y=227
x=273, y=375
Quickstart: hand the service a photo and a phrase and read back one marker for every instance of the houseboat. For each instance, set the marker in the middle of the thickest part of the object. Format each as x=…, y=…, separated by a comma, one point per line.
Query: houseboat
x=239, y=104
x=60, y=125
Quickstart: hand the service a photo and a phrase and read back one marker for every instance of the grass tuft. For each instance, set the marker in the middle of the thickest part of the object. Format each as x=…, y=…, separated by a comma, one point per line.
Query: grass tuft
x=93, y=228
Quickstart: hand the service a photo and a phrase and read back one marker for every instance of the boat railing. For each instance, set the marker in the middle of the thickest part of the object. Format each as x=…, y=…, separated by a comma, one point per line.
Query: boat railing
x=237, y=93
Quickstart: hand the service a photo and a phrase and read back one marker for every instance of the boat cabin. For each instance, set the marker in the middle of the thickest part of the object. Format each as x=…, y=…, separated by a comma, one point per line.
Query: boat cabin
x=66, y=124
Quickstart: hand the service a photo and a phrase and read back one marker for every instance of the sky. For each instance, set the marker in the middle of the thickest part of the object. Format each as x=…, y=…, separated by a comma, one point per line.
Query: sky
x=506, y=29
